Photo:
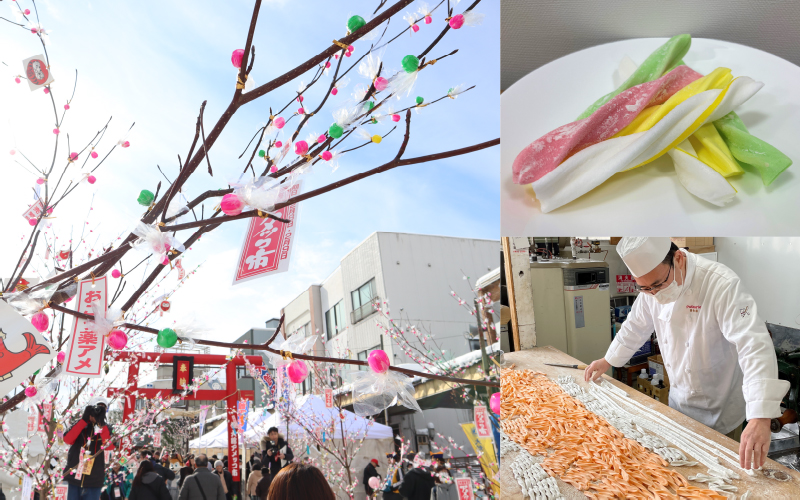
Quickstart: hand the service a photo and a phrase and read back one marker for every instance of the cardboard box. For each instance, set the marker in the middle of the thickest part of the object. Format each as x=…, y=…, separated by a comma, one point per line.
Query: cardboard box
x=660, y=395
x=644, y=386
x=615, y=240
x=703, y=249
x=693, y=241
x=656, y=364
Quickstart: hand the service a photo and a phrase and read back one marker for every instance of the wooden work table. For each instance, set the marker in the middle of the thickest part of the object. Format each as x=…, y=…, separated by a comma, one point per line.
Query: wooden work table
x=760, y=486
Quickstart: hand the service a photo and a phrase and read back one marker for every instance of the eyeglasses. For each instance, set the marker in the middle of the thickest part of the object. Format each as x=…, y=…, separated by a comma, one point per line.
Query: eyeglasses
x=655, y=287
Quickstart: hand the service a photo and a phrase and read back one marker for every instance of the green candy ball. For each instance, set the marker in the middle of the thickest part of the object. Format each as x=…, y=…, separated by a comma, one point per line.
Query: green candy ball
x=369, y=105
x=420, y=100
x=146, y=198
x=167, y=338
x=261, y=153
x=374, y=121
x=335, y=131
x=410, y=63
x=355, y=23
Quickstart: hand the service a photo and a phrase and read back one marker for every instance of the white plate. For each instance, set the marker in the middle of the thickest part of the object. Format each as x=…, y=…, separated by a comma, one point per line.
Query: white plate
x=650, y=200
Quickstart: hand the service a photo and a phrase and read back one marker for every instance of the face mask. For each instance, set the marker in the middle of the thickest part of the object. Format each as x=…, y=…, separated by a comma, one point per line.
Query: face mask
x=671, y=293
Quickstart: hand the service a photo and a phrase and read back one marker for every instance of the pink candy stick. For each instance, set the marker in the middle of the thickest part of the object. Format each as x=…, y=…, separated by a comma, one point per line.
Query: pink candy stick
x=546, y=153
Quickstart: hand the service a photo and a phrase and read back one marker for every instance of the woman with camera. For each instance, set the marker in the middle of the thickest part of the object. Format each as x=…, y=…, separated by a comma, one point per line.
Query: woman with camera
x=82, y=436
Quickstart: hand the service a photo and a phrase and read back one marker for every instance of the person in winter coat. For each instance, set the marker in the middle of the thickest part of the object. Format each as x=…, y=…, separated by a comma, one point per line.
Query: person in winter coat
x=272, y=446
x=391, y=487
x=82, y=436
x=203, y=484
x=148, y=485
x=418, y=483
x=262, y=488
x=162, y=471
x=117, y=483
x=369, y=472
x=444, y=488
x=186, y=471
x=225, y=479
x=253, y=479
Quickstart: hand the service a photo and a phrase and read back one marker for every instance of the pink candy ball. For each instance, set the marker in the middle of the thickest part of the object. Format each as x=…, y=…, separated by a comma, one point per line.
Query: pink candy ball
x=299, y=98
x=17, y=80
x=55, y=131
x=117, y=339
x=278, y=144
x=32, y=222
x=301, y=147
x=321, y=139
x=273, y=168
x=279, y=122
x=94, y=154
x=350, y=48
x=298, y=371
x=73, y=156
x=40, y=181
x=381, y=83
x=46, y=90
x=374, y=482
x=31, y=391
x=165, y=260
x=40, y=321
x=33, y=30
x=328, y=64
x=395, y=118
x=334, y=91
x=66, y=106
x=27, y=12
x=301, y=111
x=115, y=273
x=456, y=21
x=125, y=144
x=494, y=403
x=347, y=54
x=378, y=361
x=236, y=58
x=414, y=28
x=12, y=152
x=326, y=155
x=231, y=204
x=91, y=179
x=61, y=357
x=428, y=19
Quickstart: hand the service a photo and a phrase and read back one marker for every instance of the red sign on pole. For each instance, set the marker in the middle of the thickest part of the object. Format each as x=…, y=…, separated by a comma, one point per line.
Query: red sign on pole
x=61, y=492
x=328, y=398
x=464, y=488
x=183, y=375
x=483, y=428
x=625, y=283
x=157, y=439
x=45, y=416
x=267, y=245
x=86, y=347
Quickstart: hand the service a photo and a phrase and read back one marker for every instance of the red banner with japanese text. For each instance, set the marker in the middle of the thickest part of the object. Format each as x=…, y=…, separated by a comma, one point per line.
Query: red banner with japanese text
x=85, y=356
x=464, y=488
x=483, y=428
x=267, y=245
x=233, y=445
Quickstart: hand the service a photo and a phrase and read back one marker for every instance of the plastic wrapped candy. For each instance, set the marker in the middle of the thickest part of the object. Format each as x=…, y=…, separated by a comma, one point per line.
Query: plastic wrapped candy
x=104, y=321
x=340, y=84
x=178, y=206
x=297, y=371
x=117, y=339
x=494, y=403
x=153, y=240
x=167, y=338
x=454, y=92
x=425, y=11
x=231, y=204
x=411, y=19
x=378, y=361
x=40, y=321
x=374, y=392
x=236, y=58
x=355, y=23
x=403, y=81
x=468, y=18
x=369, y=137
x=190, y=330
x=262, y=193
x=30, y=303
x=369, y=68
x=342, y=119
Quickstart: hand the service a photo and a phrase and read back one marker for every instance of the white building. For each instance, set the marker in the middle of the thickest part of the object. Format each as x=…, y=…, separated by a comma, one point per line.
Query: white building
x=415, y=274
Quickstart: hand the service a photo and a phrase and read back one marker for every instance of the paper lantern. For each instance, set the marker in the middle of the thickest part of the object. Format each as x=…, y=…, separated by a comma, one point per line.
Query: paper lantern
x=40, y=321
x=298, y=371
x=167, y=338
x=231, y=204
x=494, y=403
x=117, y=339
x=378, y=361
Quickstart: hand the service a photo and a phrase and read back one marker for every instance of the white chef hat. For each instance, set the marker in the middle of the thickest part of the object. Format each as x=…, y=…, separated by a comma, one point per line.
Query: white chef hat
x=642, y=254
x=98, y=400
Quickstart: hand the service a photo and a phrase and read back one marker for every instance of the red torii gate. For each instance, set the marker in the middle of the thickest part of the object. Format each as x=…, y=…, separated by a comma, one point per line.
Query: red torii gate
x=204, y=395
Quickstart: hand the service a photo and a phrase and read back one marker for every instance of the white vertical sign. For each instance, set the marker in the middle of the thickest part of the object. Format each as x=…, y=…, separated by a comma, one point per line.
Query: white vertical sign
x=157, y=439
x=27, y=488
x=483, y=427
x=23, y=350
x=328, y=398
x=85, y=358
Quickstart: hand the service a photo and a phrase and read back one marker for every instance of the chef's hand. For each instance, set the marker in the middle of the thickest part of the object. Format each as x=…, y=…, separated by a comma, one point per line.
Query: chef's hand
x=596, y=369
x=754, y=444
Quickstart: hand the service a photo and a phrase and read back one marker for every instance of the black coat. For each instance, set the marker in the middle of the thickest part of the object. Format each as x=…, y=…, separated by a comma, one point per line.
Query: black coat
x=417, y=485
x=228, y=482
x=153, y=487
x=77, y=437
x=163, y=471
x=369, y=471
x=273, y=463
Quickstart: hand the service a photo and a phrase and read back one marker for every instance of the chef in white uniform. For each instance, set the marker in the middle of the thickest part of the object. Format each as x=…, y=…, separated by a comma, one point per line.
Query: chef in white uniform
x=717, y=351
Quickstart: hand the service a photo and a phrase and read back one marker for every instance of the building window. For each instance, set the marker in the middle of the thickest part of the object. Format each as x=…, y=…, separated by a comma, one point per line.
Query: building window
x=242, y=372
x=362, y=356
x=363, y=298
x=334, y=320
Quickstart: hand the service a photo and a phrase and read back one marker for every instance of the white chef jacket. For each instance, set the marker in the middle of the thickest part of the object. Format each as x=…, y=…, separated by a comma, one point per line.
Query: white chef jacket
x=702, y=335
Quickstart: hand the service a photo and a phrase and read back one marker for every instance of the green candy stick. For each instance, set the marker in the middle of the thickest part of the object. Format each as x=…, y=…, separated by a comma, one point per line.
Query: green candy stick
x=665, y=58
x=750, y=149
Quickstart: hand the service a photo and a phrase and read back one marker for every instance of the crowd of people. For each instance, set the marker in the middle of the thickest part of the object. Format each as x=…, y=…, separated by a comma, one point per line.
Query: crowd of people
x=270, y=472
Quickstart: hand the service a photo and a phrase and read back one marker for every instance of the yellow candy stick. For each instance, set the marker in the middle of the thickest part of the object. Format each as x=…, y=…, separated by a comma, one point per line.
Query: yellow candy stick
x=713, y=151
x=717, y=79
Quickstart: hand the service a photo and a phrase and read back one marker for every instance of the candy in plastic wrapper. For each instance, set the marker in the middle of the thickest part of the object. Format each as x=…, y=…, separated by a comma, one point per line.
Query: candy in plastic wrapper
x=374, y=392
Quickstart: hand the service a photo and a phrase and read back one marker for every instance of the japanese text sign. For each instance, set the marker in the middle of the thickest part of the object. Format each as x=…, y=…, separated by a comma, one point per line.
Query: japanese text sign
x=464, y=488
x=267, y=245
x=625, y=283
x=86, y=347
x=483, y=428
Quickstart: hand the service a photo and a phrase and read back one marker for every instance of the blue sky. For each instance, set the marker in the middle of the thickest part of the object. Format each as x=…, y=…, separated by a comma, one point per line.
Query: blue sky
x=154, y=63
